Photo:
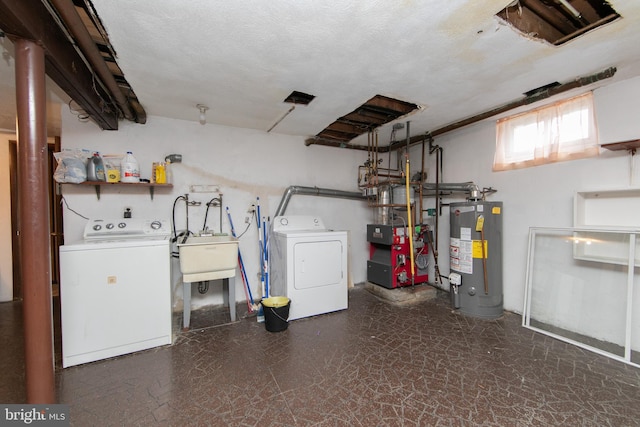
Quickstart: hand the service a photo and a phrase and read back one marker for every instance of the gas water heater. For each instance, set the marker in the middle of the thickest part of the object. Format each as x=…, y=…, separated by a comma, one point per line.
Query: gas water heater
x=476, y=258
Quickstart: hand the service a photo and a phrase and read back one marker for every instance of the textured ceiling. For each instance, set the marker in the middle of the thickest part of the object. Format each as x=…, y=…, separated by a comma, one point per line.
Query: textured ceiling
x=242, y=59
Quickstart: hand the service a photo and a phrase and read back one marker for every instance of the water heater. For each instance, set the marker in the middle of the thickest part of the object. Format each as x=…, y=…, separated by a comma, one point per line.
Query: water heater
x=476, y=258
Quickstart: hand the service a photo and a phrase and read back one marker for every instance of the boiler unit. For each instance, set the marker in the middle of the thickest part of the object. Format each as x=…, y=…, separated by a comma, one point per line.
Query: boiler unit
x=476, y=258
x=389, y=262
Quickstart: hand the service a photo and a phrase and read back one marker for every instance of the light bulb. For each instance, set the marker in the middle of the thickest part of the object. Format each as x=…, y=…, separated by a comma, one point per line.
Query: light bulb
x=203, y=110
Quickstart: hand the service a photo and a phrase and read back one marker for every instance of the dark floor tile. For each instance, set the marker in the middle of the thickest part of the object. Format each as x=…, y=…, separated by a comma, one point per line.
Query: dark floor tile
x=375, y=364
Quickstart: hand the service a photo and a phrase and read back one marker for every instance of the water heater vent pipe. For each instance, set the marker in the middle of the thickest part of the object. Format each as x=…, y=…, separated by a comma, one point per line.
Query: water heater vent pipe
x=468, y=187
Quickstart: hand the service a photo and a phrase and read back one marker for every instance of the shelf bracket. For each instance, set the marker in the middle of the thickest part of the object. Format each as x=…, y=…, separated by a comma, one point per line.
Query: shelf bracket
x=97, y=187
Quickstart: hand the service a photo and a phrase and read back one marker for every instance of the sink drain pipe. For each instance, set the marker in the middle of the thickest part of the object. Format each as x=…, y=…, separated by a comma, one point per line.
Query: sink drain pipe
x=315, y=191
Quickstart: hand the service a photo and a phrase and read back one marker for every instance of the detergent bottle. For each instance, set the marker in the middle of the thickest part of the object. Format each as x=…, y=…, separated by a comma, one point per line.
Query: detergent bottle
x=130, y=169
x=95, y=168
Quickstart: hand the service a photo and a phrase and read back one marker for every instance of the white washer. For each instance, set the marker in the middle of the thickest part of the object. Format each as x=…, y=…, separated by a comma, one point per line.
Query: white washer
x=115, y=290
x=308, y=264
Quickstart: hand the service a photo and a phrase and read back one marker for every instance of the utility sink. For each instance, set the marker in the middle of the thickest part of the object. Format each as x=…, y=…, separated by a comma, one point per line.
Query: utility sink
x=204, y=258
x=208, y=257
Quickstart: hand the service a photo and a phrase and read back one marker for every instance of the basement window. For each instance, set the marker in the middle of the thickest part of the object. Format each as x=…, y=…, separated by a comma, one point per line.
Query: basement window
x=562, y=131
x=557, y=21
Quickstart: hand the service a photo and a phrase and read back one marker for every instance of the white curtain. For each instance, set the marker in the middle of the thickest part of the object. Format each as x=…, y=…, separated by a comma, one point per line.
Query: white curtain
x=562, y=131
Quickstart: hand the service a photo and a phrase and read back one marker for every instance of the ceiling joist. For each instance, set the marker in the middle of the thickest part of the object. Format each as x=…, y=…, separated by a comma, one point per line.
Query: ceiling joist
x=78, y=58
x=30, y=20
x=557, y=21
x=376, y=112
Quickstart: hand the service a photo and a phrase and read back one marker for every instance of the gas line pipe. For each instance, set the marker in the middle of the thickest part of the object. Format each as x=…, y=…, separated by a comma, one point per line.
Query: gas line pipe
x=409, y=214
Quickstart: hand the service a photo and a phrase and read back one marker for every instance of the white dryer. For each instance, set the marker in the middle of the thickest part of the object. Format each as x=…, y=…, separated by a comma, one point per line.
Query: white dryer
x=308, y=264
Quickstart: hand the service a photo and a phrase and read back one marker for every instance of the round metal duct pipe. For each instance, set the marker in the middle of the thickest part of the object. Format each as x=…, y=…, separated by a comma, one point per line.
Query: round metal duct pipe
x=468, y=187
x=314, y=191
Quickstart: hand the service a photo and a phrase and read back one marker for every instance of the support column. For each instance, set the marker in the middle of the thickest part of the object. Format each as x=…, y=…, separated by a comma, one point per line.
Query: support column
x=33, y=214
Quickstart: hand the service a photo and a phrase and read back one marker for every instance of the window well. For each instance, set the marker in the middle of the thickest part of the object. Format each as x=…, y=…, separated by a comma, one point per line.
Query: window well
x=557, y=21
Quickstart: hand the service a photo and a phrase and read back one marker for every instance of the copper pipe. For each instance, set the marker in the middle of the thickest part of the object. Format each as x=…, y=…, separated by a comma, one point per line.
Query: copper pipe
x=369, y=151
x=33, y=204
x=421, y=219
x=70, y=16
x=375, y=164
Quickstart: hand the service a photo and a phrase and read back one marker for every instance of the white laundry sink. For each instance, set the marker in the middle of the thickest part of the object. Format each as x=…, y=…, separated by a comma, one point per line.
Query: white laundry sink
x=208, y=257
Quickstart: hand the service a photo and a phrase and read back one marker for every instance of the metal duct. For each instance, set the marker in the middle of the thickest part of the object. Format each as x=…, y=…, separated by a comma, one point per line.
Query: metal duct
x=314, y=191
x=468, y=187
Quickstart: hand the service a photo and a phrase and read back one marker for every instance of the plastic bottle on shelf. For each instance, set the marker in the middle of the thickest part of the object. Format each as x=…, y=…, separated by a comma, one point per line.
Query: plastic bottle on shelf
x=168, y=172
x=160, y=175
x=95, y=168
x=130, y=169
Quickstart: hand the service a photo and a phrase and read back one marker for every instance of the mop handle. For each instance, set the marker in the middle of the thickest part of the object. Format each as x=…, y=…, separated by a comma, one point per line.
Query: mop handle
x=243, y=274
x=261, y=244
x=265, y=257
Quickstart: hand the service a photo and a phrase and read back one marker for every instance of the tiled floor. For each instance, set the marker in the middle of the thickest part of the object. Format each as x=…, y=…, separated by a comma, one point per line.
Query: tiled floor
x=375, y=364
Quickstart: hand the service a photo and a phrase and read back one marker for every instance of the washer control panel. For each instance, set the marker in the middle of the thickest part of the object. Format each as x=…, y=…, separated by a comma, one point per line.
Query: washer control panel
x=126, y=228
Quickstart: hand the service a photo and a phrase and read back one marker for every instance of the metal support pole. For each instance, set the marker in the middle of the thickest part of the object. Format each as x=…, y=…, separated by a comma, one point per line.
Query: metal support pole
x=33, y=205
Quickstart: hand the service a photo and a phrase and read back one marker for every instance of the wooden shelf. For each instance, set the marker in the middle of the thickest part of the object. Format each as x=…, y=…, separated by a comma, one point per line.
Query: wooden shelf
x=99, y=184
x=630, y=145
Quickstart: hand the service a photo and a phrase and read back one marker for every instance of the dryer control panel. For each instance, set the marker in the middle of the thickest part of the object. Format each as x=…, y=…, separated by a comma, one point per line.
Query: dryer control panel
x=298, y=223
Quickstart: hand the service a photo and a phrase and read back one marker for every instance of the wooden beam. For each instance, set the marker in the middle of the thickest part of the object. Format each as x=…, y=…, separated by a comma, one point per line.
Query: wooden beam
x=31, y=20
x=400, y=107
x=630, y=145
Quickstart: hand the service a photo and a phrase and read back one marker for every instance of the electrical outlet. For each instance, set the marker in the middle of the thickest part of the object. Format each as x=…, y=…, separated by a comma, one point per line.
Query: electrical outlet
x=251, y=209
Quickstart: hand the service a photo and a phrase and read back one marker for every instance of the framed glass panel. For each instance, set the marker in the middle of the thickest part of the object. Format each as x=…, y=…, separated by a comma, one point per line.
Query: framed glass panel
x=580, y=289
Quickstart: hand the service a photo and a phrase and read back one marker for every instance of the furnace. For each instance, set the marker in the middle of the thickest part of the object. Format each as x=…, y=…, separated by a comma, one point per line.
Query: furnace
x=389, y=262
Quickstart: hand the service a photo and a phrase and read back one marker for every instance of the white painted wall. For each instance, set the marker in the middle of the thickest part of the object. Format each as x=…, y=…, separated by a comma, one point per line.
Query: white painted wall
x=6, y=266
x=543, y=195
x=245, y=164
